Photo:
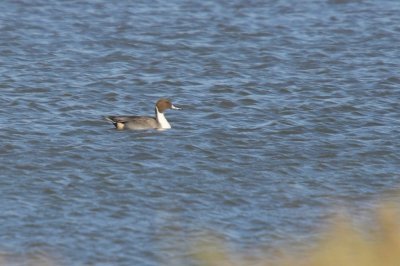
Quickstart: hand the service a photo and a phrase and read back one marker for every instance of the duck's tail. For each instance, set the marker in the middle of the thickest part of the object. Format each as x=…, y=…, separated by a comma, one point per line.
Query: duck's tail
x=109, y=118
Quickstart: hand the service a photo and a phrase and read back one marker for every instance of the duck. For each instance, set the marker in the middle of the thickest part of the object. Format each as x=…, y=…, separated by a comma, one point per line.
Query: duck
x=158, y=122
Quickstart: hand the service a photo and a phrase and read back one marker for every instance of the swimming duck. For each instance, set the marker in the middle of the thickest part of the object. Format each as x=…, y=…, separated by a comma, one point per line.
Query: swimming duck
x=145, y=122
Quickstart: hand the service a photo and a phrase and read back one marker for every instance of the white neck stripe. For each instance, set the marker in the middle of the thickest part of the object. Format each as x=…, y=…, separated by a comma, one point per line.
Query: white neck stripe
x=162, y=120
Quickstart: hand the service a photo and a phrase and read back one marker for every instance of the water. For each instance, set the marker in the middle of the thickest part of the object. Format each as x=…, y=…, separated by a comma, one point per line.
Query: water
x=290, y=111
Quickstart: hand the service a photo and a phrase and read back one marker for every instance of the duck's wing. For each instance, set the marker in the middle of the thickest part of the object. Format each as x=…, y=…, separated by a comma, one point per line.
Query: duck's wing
x=134, y=122
x=123, y=119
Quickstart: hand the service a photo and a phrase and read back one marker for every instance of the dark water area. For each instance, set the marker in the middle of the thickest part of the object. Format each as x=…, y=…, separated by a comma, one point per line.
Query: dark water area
x=290, y=110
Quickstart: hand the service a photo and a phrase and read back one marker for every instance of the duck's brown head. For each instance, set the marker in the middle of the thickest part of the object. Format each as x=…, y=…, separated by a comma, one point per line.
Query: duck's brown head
x=164, y=104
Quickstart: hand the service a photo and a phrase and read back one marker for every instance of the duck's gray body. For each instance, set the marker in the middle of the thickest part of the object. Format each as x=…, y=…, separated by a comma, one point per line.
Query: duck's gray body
x=134, y=122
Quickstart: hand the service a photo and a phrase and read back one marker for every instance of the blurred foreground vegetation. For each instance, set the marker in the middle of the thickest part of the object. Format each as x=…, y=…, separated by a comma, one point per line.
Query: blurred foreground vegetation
x=374, y=244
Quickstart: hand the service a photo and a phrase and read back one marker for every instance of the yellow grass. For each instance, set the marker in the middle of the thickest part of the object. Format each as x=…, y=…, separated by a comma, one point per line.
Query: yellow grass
x=343, y=245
